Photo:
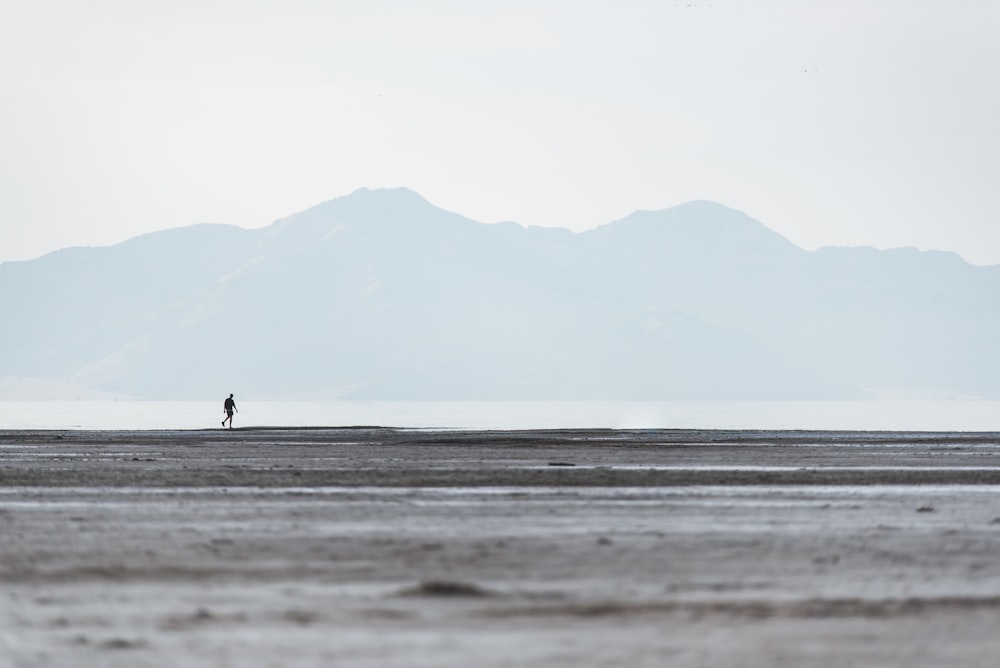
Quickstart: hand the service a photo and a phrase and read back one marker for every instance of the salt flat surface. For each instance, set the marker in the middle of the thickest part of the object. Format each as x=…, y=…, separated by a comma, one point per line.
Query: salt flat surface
x=382, y=547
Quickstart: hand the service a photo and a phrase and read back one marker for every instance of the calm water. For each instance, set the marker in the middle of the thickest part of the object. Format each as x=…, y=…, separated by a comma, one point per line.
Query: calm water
x=861, y=415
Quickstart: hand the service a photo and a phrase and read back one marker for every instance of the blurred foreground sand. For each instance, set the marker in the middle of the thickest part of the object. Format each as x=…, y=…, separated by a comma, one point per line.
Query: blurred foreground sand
x=373, y=547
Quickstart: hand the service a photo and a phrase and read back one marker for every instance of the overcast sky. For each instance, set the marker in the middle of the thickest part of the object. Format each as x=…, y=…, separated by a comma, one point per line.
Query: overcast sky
x=853, y=122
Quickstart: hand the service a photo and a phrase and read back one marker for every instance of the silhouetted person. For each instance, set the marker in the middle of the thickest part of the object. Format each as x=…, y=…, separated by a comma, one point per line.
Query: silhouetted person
x=229, y=407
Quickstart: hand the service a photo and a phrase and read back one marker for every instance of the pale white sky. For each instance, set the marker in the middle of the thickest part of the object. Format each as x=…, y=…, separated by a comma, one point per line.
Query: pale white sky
x=845, y=122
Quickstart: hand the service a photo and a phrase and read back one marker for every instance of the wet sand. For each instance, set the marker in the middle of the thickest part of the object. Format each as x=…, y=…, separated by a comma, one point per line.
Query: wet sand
x=378, y=547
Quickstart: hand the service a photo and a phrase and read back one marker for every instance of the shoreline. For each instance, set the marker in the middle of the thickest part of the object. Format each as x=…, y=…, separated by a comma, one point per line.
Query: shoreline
x=377, y=456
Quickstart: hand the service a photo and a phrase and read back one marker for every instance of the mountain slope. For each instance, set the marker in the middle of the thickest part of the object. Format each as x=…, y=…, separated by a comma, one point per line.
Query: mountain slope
x=381, y=295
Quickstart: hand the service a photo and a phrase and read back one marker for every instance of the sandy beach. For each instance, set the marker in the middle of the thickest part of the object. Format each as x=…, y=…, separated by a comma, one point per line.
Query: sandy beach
x=381, y=547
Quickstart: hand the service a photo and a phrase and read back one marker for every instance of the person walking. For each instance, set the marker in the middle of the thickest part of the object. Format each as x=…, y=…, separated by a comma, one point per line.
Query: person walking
x=229, y=407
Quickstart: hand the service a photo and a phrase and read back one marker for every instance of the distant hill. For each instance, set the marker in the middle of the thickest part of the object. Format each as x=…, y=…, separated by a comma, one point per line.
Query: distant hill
x=381, y=295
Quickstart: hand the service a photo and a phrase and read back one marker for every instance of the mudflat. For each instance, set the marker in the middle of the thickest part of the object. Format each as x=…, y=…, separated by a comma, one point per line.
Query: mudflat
x=382, y=547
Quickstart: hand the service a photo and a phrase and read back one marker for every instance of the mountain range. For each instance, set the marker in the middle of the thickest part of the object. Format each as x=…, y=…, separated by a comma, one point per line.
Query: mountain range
x=381, y=295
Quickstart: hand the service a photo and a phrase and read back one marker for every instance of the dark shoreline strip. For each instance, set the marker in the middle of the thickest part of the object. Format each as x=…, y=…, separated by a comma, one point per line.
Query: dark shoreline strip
x=491, y=477
x=511, y=437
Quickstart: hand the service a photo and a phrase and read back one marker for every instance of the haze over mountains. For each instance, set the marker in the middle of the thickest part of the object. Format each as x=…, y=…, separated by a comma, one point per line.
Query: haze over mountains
x=381, y=295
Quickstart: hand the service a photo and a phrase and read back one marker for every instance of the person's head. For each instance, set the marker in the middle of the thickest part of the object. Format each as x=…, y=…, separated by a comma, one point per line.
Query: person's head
x=230, y=395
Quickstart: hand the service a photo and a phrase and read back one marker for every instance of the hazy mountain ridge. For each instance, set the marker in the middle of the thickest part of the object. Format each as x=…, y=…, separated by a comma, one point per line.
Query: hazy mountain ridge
x=382, y=295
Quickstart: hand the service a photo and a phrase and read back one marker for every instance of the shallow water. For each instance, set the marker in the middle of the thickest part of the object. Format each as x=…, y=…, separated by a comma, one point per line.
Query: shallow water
x=808, y=415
